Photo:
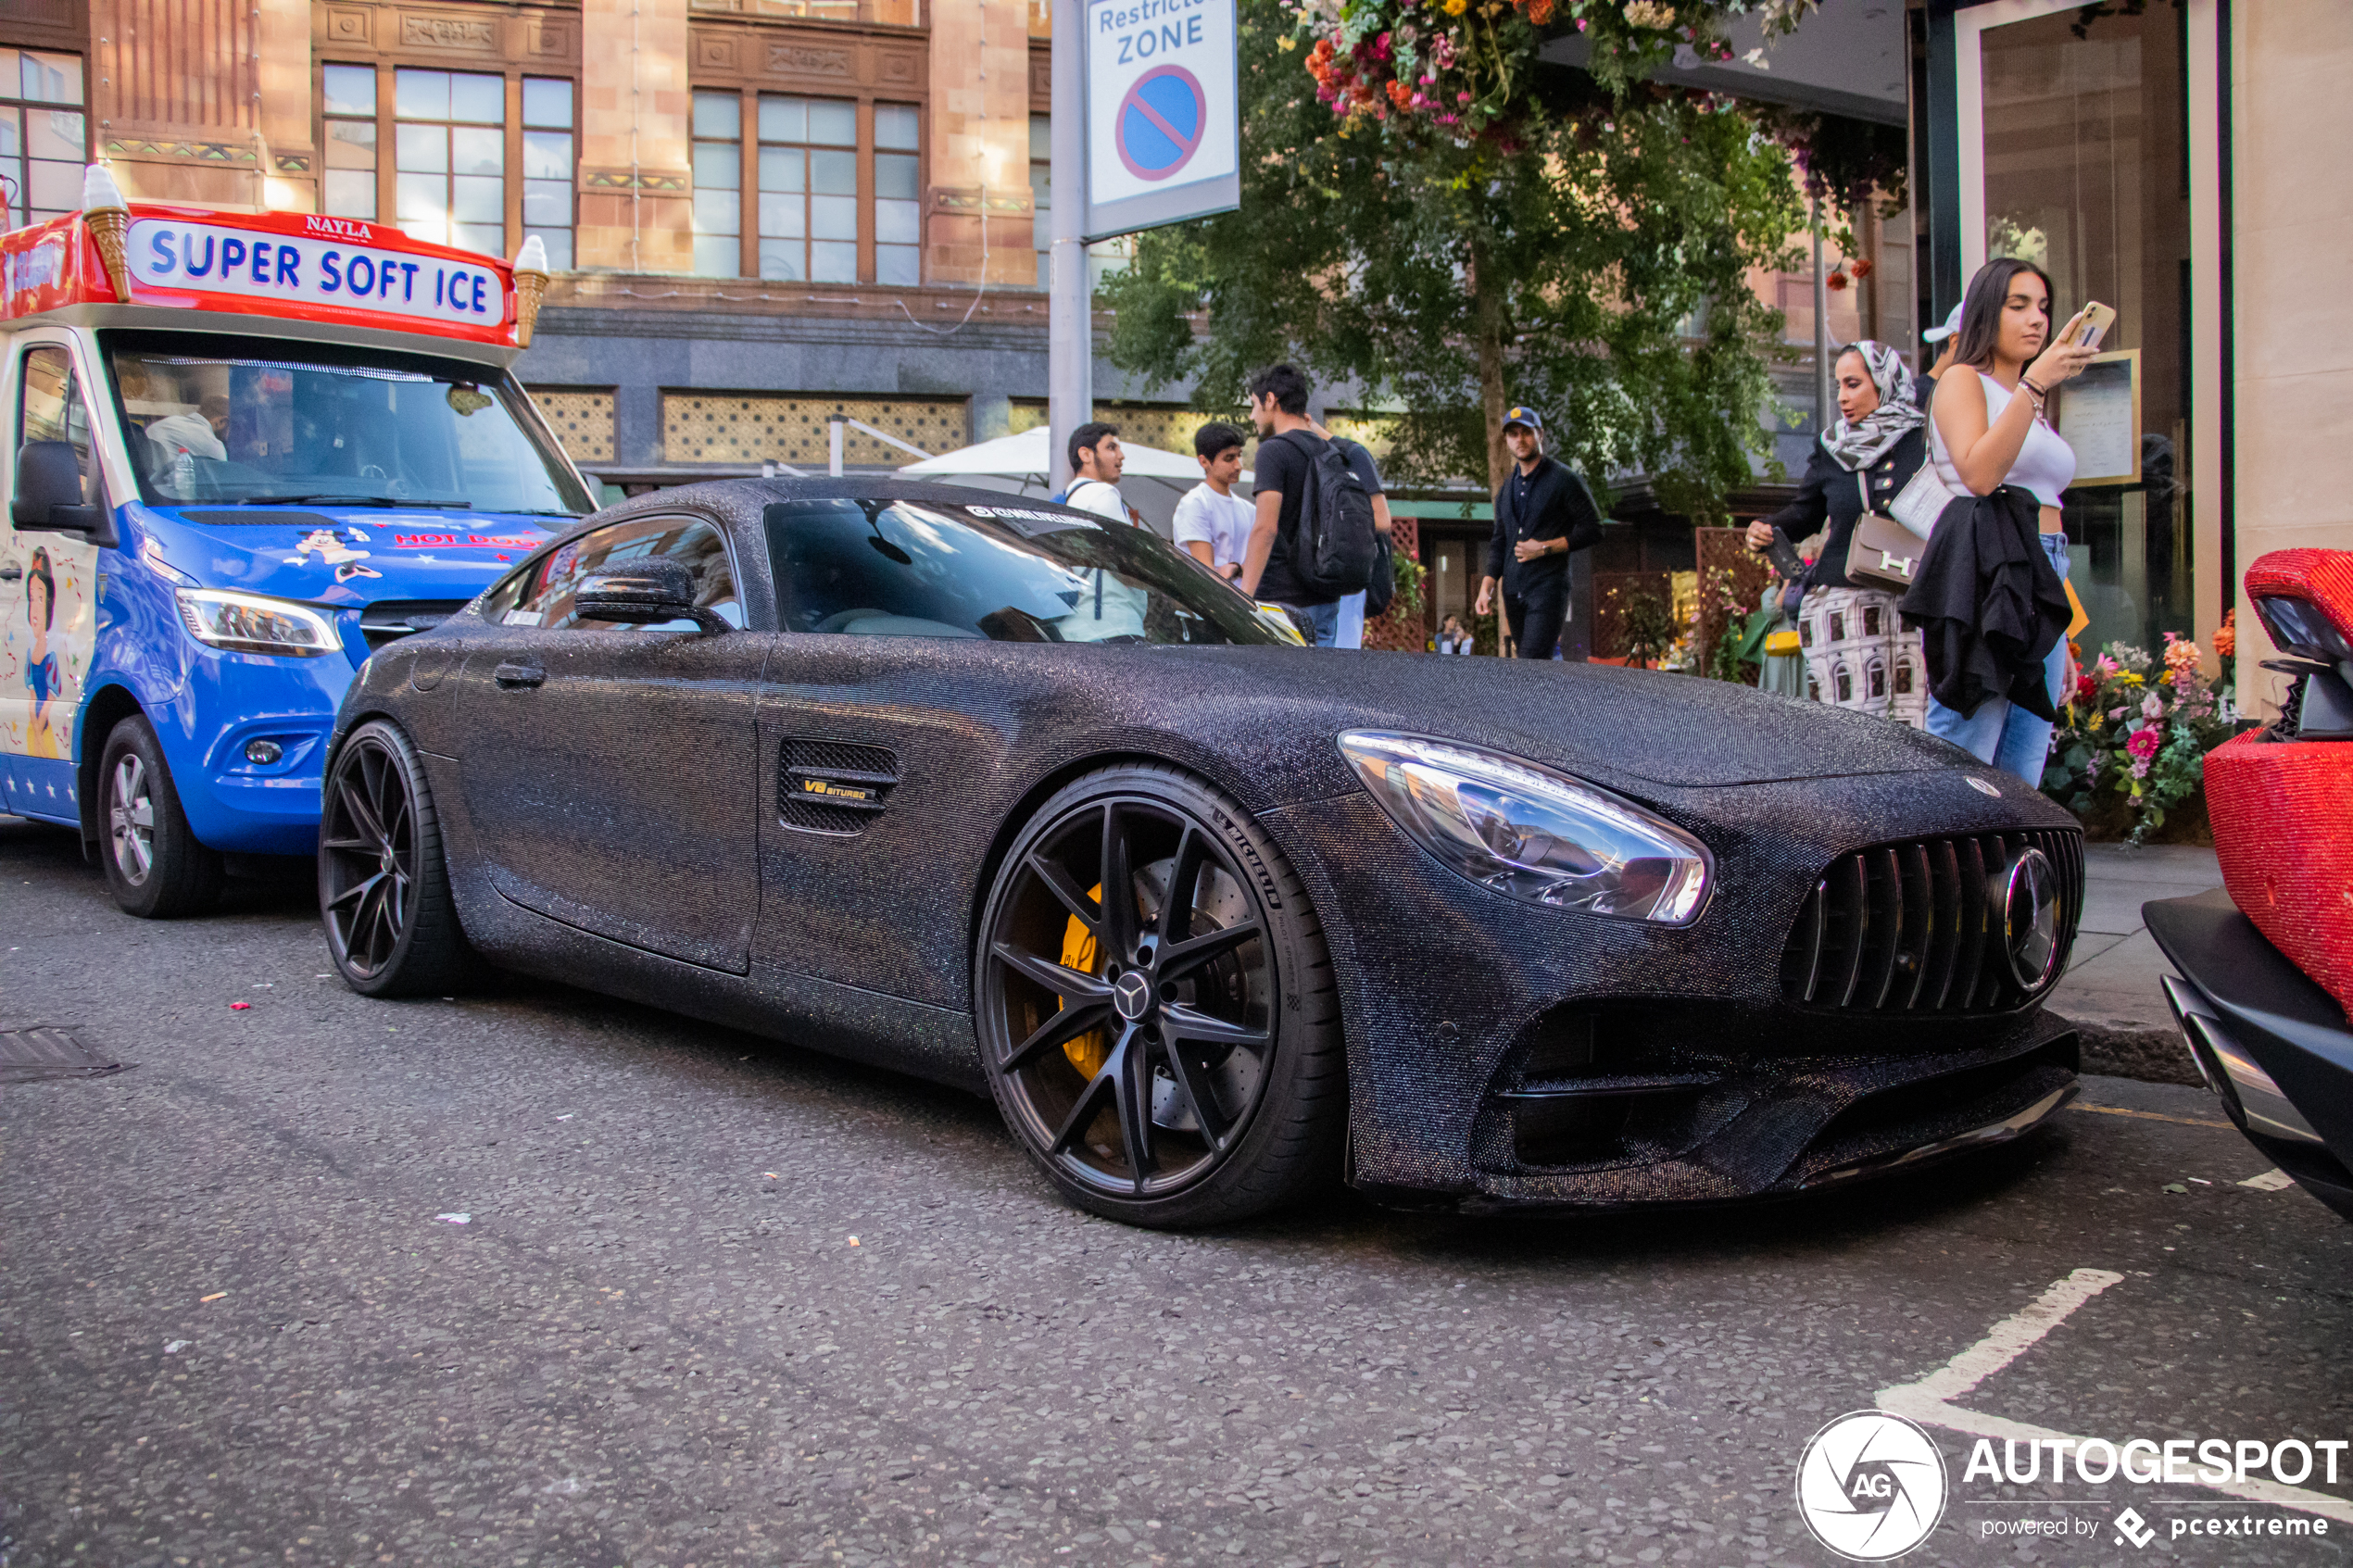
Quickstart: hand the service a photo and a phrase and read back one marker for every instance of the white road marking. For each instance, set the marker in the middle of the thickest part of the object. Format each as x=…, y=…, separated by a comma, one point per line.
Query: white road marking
x=2273, y=1180
x=1929, y=1400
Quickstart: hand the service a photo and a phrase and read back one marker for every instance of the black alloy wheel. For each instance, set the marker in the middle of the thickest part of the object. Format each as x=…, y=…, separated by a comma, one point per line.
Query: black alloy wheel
x=1161, y=1030
x=155, y=866
x=383, y=885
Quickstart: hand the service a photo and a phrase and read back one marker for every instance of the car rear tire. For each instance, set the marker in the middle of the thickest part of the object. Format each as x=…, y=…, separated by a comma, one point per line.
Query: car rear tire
x=155, y=866
x=383, y=879
x=1167, y=1058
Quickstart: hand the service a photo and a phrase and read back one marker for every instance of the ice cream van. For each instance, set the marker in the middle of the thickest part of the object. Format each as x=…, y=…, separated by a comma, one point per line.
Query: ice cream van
x=247, y=449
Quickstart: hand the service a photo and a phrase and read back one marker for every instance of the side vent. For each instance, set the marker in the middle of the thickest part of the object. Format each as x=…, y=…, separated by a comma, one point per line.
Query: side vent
x=834, y=787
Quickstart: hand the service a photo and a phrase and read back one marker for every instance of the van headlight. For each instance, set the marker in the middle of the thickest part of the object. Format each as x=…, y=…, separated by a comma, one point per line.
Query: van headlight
x=1531, y=833
x=250, y=623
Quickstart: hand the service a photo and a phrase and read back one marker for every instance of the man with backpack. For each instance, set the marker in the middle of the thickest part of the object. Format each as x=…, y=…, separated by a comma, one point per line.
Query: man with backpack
x=1543, y=512
x=1312, y=541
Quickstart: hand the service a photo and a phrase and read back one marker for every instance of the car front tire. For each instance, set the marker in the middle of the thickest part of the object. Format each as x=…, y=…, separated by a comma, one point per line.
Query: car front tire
x=155, y=866
x=383, y=879
x=1172, y=1057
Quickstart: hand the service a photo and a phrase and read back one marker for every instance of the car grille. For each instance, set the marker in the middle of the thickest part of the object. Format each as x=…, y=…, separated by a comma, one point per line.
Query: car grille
x=1916, y=927
x=388, y=620
x=833, y=786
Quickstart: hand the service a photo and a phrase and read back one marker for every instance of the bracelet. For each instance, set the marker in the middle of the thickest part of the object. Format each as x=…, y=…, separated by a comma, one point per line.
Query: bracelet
x=2038, y=392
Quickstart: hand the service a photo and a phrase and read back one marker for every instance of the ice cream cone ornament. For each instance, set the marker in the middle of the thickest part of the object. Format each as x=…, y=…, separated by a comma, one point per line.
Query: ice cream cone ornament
x=108, y=220
x=531, y=283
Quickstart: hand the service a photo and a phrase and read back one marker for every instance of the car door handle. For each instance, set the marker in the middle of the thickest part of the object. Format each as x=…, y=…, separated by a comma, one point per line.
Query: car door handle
x=513, y=675
x=11, y=572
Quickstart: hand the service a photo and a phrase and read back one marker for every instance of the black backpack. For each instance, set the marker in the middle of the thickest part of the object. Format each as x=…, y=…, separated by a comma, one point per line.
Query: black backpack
x=1332, y=542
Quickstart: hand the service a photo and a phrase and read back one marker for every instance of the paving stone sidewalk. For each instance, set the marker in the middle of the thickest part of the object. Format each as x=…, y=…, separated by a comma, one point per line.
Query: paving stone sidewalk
x=2111, y=990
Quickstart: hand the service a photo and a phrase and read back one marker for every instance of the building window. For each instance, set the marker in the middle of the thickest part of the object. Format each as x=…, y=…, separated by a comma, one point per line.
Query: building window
x=899, y=208
x=43, y=143
x=547, y=165
x=348, y=186
x=719, y=184
x=1041, y=193
x=450, y=158
x=1104, y=256
x=808, y=189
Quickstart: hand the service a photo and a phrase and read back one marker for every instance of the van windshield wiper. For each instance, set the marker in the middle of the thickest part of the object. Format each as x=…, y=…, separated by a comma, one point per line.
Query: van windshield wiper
x=338, y=498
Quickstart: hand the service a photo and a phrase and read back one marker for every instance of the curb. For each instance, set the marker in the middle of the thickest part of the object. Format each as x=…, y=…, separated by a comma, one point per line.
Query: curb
x=2124, y=1048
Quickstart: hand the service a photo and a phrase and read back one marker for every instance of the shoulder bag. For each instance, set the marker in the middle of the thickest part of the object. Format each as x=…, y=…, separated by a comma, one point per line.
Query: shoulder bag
x=1884, y=553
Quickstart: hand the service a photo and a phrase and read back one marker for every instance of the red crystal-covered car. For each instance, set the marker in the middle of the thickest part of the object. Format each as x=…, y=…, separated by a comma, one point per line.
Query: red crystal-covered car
x=2267, y=962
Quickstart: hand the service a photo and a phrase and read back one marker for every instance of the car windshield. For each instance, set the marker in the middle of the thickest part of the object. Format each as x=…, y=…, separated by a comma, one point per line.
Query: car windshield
x=1020, y=573
x=239, y=421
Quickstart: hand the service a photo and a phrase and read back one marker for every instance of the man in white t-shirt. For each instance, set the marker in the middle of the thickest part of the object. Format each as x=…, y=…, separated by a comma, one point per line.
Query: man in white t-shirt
x=1109, y=608
x=1212, y=521
x=1096, y=463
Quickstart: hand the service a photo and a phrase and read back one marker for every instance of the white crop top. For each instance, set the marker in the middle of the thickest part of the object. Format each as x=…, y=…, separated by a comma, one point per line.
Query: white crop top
x=2045, y=464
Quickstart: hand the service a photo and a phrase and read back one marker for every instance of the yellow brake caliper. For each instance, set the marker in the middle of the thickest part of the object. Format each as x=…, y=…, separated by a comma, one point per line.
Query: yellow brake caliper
x=1089, y=1051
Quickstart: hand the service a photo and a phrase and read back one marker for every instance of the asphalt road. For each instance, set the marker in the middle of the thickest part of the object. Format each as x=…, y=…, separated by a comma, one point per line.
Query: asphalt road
x=719, y=1300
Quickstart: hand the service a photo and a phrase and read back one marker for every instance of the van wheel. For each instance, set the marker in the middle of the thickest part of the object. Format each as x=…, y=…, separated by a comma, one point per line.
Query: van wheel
x=155, y=869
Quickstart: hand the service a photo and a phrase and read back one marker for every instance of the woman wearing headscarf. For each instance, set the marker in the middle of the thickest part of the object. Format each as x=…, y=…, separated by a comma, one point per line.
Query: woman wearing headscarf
x=1857, y=653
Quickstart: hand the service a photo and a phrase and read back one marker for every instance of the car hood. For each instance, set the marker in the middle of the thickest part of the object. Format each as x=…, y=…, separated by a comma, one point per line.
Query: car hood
x=1596, y=721
x=342, y=555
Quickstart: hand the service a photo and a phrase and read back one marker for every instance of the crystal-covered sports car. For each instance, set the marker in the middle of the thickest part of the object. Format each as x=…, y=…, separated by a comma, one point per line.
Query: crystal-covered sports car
x=998, y=793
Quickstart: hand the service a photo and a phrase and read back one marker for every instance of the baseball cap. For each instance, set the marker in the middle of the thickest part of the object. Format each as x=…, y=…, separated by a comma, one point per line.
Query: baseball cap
x=1517, y=415
x=1938, y=334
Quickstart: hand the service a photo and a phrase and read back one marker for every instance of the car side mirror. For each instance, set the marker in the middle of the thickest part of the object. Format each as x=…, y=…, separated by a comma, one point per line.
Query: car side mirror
x=654, y=588
x=50, y=490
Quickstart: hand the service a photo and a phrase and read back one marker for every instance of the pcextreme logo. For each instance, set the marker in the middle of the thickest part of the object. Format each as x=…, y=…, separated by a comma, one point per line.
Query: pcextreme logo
x=1871, y=1485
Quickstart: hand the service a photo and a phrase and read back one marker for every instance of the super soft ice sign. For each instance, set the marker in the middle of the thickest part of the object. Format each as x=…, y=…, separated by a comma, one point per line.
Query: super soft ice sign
x=1163, y=140
x=339, y=267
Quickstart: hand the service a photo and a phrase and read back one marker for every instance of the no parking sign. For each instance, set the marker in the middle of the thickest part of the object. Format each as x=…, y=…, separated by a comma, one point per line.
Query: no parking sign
x=1163, y=140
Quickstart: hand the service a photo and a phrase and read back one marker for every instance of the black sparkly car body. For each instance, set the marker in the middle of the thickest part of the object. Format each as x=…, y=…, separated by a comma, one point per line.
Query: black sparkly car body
x=854, y=764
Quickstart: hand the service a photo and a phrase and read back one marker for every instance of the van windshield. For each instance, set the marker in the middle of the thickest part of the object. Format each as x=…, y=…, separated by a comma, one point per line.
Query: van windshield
x=262, y=422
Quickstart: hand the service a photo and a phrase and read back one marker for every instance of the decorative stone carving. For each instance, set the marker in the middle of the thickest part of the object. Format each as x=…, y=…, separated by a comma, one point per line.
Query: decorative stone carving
x=448, y=32
x=348, y=27
x=794, y=60
x=715, y=51
x=898, y=67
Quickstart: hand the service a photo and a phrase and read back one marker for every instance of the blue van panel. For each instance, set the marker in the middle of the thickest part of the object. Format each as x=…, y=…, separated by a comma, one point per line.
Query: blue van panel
x=40, y=788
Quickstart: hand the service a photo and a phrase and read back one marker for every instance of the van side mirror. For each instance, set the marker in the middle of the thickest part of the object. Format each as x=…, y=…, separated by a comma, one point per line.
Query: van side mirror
x=651, y=589
x=50, y=490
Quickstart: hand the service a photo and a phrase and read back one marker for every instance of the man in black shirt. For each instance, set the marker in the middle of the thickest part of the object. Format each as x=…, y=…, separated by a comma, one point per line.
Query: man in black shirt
x=1286, y=442
x=1543, y=512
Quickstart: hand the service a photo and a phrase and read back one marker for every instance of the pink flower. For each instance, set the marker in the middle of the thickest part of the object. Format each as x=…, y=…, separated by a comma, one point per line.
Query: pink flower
x=2140, y=770
x=2143, y=745
x=2152, y=706
x=1462, y=97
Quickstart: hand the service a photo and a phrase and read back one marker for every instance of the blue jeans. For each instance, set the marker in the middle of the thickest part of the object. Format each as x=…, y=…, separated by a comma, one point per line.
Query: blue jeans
x=1352, y=620
x=2000, y=732
x=1324, y=618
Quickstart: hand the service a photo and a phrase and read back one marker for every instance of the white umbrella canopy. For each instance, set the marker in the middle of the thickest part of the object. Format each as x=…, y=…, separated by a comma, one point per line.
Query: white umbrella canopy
x=1031, y=456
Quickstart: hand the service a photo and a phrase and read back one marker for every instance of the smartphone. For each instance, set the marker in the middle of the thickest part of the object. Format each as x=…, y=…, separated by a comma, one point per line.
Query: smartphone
x=2098, y=319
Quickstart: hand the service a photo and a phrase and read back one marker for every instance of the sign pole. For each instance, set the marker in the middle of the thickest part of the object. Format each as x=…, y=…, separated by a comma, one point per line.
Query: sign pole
x=1069, y=322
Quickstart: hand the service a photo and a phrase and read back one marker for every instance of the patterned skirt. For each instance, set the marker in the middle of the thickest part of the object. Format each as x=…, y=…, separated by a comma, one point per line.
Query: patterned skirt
x=1858, y=656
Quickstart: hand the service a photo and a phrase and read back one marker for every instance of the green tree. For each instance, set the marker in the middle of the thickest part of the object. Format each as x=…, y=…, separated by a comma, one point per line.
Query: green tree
x=1580, y=250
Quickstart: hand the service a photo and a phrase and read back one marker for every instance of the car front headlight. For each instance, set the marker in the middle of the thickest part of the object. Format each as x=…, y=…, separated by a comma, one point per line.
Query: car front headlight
x=1530, y=832
x=251, y=624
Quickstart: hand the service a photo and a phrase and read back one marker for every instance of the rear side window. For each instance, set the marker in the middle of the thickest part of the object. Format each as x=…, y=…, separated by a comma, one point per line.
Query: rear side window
x=540, y=592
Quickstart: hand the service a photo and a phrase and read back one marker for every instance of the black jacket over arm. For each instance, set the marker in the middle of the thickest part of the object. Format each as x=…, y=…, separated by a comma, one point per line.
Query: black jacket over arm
x=1830, y=494
x=1989, y=603
x=1559, y=506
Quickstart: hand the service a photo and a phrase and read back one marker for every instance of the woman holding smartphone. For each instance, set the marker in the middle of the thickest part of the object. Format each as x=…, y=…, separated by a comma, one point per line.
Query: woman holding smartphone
x=1988, y=428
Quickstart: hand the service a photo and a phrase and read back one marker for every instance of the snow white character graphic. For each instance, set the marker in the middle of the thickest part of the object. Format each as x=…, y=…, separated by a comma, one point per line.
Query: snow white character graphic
x=41, y=664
